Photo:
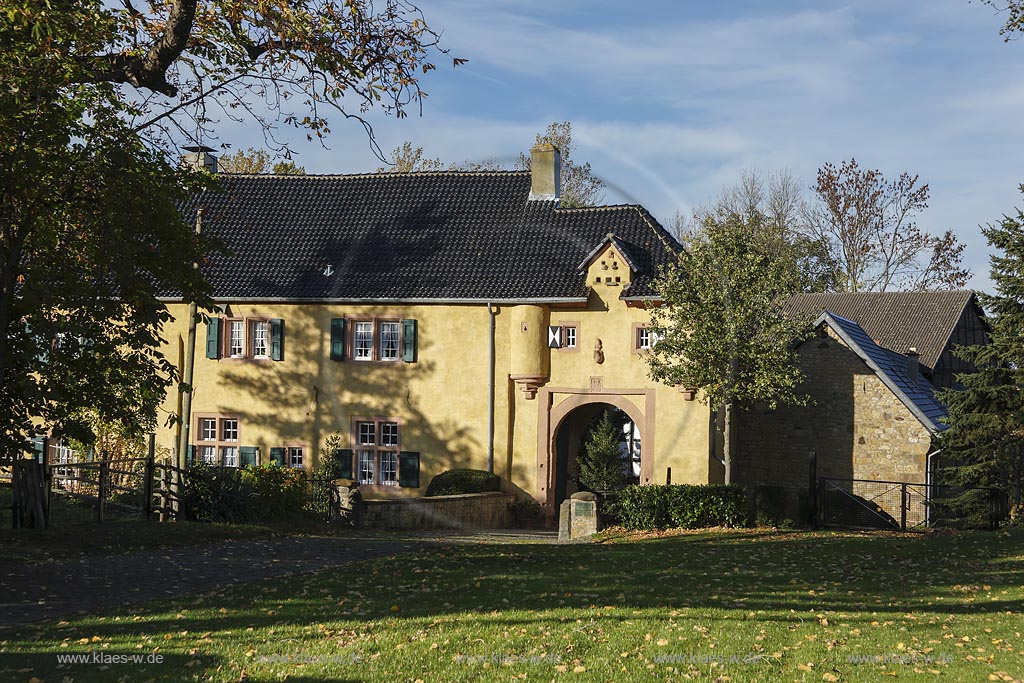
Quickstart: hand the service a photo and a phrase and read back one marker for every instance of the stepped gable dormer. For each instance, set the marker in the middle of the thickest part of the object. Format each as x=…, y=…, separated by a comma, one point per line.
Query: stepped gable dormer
x=609, y=264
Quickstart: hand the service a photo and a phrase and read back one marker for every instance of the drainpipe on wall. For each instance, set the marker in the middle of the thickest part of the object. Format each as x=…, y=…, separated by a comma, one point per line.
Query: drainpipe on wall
x=490, y=392
x=928, y=485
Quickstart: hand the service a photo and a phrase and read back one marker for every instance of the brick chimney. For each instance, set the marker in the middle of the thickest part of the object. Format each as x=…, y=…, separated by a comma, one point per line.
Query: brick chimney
x=913, y=363
x=545, y=163
x=199, y=158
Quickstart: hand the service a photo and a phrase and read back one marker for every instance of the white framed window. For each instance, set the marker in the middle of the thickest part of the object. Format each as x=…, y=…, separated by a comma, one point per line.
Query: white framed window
x=217, y=440
x=245, y=338
x=229, y=456
x=376, y=340
x=208, y=454
x=208, y=429
x=643, y=338
x=376, y=444
x=389, y=333
x=569, y=337
x=367, y=435
x=362, y=341
x=367, y=466
x=63, y=453
x=259, y=338
x=389, y=434
x=295, y=456
x=389, y=468
x=236, y=338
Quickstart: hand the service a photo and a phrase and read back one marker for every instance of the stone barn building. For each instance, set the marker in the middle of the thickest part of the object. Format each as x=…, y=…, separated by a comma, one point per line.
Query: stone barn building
x=871, y=371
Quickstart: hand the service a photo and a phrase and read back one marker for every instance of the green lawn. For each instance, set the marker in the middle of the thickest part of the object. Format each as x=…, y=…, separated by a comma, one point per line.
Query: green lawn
x=713, y=606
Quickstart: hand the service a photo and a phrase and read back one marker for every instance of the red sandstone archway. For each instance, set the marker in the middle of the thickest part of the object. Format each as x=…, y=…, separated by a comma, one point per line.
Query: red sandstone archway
x=554, y=417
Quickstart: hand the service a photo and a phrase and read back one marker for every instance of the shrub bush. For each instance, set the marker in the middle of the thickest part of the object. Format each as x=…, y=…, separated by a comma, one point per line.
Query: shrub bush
x=278, y=491
x=454, y=482
x=681, y=506
x=216, y=494
x=237, y=496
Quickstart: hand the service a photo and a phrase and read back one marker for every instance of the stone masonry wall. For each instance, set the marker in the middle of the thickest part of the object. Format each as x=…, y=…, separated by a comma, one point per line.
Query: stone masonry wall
x=858, y=428
x=491, y=510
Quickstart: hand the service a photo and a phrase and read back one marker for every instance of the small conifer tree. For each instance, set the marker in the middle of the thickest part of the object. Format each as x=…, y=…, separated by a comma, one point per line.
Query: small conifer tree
x=601, y=463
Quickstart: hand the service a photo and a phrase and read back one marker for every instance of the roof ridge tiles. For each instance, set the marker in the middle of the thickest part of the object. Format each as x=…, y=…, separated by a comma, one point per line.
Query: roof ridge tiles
x=376, y=174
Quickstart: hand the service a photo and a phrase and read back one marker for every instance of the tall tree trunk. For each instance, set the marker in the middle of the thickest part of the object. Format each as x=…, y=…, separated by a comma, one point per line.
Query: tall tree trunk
x=727, y=443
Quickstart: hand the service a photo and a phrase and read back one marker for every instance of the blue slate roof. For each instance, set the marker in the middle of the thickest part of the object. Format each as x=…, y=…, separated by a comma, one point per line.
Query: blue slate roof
x=916, y=393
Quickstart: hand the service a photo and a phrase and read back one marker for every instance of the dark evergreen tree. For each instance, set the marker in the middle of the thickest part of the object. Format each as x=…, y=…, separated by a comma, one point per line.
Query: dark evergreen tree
x=601, y=463
x=984, y=445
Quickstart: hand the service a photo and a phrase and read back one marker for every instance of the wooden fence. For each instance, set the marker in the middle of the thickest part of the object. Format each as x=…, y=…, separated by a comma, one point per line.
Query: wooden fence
x=142, y=486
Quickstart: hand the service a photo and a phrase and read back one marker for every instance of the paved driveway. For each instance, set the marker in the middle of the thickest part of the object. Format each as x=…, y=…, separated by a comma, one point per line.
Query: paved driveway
x=30, y=593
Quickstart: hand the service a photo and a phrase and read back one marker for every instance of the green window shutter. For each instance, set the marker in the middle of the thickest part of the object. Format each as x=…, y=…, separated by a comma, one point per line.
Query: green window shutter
x=247, y=456
x=409, y=469
x=37, y=447
x=276, y=339
x=277, y=456
x=190, y=455
x=337, y=339
x=343, y=460
x=409, y=341
x=213, y=338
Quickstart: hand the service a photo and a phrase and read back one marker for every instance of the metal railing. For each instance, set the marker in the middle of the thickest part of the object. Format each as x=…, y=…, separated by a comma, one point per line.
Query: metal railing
x=906, y=506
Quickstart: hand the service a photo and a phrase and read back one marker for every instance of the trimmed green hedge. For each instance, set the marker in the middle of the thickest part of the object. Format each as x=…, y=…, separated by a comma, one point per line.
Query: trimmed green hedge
x=241, y=495
x=681, y=506
x=454, y=482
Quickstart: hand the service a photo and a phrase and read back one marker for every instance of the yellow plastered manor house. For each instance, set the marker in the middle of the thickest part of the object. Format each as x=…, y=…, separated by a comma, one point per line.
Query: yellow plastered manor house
x=433, y=321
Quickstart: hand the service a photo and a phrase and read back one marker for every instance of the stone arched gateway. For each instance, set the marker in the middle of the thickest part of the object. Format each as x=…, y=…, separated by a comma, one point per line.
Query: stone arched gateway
x=557, y=404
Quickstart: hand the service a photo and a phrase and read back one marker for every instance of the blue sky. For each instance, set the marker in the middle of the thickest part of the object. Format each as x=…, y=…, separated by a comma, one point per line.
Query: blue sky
x=671, y=101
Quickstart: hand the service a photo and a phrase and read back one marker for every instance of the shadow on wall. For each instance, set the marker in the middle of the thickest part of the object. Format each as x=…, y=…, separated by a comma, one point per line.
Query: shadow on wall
x=309, y=396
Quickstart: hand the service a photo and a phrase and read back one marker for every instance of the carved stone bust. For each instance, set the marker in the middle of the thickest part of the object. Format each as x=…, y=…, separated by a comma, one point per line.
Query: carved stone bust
x=598, y=352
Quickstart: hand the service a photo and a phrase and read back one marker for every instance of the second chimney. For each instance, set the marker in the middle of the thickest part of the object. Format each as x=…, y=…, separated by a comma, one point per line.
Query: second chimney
x=913, y=363
x=199, y=158
x=545, y=166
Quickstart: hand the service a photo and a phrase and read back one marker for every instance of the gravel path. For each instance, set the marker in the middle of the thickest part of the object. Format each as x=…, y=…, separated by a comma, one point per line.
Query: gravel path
x=30, y=593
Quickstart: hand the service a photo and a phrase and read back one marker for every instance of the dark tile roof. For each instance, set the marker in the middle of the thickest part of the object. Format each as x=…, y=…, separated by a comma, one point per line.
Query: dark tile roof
x=896, y=320
x=415, y=236
x=892, y=368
